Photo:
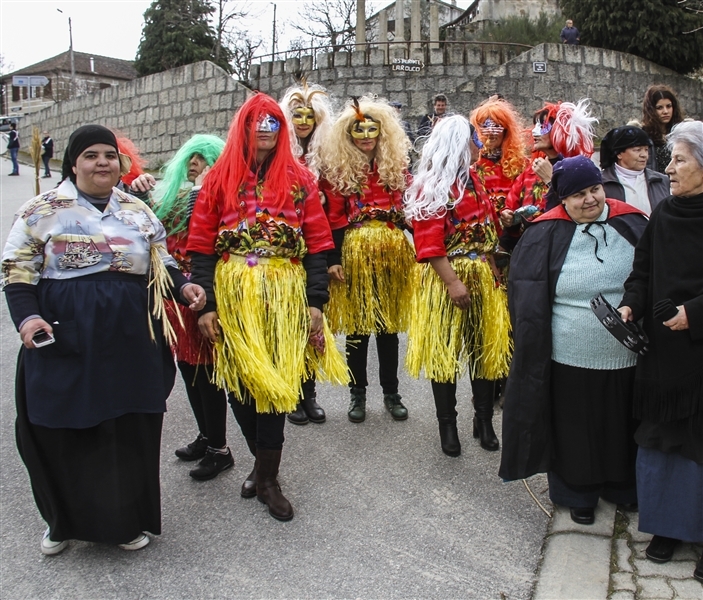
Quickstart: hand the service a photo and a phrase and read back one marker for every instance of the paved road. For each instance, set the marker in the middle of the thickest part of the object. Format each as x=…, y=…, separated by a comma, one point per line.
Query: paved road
x=380, y=511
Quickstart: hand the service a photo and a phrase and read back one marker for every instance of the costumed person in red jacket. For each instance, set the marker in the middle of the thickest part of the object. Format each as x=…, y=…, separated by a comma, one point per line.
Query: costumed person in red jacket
x=560, y=131
x=173, y=199
x=365, y=172
x=309, y=114
x=460, y=314
x=258, y=238
x=568, y=402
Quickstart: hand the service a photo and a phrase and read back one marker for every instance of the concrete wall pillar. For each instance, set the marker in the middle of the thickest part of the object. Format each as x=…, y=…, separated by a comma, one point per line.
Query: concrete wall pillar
x=415, y=23
x=383, y=32
x=360, y=24
x=399, y=20
x=434, y=25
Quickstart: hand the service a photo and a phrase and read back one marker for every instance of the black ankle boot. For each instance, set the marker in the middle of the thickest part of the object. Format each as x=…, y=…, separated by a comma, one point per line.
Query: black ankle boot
x=313, y=410
x=445, y=404
x=483, y=420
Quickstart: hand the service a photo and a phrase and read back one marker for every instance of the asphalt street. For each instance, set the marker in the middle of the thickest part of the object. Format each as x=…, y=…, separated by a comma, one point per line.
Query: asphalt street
x=380, y=511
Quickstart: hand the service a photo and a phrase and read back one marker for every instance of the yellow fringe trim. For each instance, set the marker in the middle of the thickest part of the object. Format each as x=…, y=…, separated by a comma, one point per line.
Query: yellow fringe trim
x=265, y=325
x=375, y=297
x=444, y=340
x=160, y=283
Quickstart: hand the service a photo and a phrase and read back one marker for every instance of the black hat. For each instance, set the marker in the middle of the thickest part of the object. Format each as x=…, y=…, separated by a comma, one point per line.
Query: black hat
x=619, y=139
x=574, y=174
x=82, y=138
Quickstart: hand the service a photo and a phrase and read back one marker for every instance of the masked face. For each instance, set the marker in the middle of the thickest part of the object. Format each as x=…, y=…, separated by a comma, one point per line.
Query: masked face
x=541, y=128
x=492, y=134
x=303, y=115
x=268, y=124
x=368, y=128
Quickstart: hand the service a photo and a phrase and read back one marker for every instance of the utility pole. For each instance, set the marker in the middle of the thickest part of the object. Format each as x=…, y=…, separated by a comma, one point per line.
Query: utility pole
x=273, y=43
x=70, y=52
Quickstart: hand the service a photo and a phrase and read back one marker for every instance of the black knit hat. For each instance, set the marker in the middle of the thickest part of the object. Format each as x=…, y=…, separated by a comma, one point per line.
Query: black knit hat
x=572, y=175
x=619, y=139
x=82, y=138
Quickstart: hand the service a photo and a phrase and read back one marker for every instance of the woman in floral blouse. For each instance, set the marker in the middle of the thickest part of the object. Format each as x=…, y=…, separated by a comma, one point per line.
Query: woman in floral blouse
x=77, y=265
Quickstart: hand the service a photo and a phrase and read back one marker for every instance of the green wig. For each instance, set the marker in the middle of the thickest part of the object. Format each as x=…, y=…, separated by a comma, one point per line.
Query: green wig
x=170, y=203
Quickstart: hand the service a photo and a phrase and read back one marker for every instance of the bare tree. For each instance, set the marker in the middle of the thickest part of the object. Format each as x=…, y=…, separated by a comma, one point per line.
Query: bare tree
x=243, y=48
x=226, y=14
x=694, y=6
x=330, y=22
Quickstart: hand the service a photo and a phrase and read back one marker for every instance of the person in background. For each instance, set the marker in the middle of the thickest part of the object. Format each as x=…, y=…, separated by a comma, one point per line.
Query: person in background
x=87, y=264
x=405, y=124
x=568, y=403
x=665, y=289
x=47, y=153
x=364, y=177
x=309, y=115
x=439, y=104
x=570, y=35
x=460, y=317
x=14, y=147
x=173, y=200
x=660, y=112
x=623, y=159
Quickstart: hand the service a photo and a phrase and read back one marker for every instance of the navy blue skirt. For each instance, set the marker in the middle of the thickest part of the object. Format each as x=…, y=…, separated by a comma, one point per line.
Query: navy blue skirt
x=104, y=363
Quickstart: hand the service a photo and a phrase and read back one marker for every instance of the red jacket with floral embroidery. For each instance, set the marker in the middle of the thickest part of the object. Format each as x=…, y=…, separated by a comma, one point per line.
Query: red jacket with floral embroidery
x=373, y=201
x=467, y=229
x=256, y=227
x=528, y=189
x=497, y=184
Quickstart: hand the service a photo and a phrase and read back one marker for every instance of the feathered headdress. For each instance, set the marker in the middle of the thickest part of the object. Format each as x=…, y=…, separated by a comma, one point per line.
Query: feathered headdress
x=572, y=132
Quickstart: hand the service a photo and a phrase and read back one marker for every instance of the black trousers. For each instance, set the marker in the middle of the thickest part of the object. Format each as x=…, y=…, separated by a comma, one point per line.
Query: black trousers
x=357, y=352
x=209, y=403
x=46, y=159
x=265, y=429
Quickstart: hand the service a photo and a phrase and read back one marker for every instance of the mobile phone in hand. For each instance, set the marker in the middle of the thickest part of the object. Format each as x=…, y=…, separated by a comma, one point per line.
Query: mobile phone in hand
x=42, y=338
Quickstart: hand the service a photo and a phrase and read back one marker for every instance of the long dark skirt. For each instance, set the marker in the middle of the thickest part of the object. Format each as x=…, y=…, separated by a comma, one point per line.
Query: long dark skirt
x=592, y=425
x=670, y=488
x=99, y=484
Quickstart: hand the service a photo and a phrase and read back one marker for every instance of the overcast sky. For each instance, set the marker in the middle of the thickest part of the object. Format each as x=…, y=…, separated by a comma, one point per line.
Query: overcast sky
x=33, y=30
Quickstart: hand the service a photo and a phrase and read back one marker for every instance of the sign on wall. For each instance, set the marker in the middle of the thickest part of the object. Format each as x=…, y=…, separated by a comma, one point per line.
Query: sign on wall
x=539, y=67
x=407, y=65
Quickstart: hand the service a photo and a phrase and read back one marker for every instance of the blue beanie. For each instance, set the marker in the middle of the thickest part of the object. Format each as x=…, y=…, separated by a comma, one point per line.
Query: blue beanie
x=572, y=175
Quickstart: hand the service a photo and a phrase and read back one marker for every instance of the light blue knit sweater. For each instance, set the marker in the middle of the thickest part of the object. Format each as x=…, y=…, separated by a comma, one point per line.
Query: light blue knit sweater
x=578, y=338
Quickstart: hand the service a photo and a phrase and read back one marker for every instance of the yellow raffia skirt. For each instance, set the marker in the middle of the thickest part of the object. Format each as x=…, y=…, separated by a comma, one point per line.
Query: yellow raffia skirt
x=265, y=322
x=378, y=263
x=445, y=340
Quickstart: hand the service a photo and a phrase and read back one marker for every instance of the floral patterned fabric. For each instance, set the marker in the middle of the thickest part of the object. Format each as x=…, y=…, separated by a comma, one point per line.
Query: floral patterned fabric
x=61, y=235
x=497, y=184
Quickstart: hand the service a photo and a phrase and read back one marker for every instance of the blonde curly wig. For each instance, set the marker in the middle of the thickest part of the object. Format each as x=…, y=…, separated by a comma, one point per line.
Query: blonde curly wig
x=315, y=97
x=347, y=168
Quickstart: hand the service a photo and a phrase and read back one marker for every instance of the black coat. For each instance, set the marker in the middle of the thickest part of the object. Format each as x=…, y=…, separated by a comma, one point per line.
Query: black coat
x=534, y=270
x=657, y=186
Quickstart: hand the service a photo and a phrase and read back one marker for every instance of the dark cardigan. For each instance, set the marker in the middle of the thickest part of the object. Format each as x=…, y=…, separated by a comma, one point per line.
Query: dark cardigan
x=534, y=270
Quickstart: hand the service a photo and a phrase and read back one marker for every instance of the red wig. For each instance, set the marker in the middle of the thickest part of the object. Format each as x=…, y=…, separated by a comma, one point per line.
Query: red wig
x=238, y=157
x=127, y=147
x=514, y=152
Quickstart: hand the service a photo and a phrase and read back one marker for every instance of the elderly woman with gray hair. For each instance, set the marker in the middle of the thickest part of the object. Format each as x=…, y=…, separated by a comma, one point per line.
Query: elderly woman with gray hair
x=665, y=289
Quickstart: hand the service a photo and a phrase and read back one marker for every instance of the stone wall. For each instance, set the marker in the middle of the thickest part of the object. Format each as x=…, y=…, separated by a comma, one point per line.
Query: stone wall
x=469, y=73
x=158, y=112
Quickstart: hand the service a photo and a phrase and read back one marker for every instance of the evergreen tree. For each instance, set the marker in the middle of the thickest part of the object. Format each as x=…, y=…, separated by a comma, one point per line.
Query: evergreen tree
x=175, y=33
x=653, y=29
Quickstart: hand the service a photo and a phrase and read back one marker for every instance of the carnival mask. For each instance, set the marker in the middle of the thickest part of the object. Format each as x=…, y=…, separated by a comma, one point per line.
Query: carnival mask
x=542, y=128
x=268, y=124
x=303, y=115
x=490, y=127
x=368, y=128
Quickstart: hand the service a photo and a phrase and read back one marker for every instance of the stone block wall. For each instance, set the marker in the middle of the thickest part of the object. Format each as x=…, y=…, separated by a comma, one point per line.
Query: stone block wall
x=158, y=112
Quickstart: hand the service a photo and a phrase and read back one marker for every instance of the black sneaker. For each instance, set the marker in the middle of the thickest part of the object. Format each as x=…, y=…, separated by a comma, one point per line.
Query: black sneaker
x=395, y=407
x=195, y=450
x=212, y=465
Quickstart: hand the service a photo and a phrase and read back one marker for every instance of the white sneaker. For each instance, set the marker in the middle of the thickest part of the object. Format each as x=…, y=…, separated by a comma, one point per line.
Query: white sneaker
x=137, y=543
x=49, y=546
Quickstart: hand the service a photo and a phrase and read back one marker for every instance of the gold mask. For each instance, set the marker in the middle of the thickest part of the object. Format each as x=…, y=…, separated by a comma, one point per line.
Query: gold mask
x=368, y=128
x=303, y=115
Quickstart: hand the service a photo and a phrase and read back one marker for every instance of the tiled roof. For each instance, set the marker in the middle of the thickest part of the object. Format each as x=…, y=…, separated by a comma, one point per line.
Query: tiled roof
x=104, y=66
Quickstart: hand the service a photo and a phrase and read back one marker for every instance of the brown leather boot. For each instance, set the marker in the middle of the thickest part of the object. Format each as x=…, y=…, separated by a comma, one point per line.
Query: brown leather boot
x=249, y=485
x=267, y=489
